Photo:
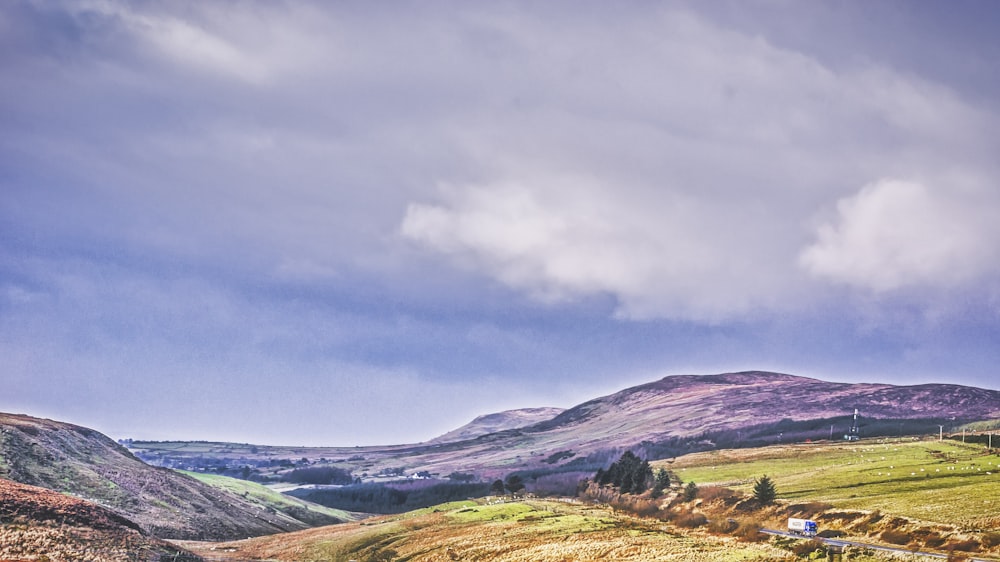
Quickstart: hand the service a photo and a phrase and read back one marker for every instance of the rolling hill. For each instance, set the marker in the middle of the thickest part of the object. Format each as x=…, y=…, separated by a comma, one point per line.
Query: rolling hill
x=500, y=421
x=661, y=419
x=84, y=463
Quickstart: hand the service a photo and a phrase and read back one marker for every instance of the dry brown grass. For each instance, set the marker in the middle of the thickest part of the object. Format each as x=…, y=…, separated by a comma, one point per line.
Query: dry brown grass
x=535, y=531
x=39, y=524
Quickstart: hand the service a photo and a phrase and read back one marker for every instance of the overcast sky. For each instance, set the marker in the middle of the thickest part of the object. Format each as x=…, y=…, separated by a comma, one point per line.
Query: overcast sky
x=365, y=223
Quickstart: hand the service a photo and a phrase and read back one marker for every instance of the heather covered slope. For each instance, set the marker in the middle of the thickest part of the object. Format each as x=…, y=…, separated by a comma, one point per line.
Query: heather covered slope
x=687, y=405
x=36, y=522
x=678, y=414
x=668, y=417
x=85, y=463
x=500, y=421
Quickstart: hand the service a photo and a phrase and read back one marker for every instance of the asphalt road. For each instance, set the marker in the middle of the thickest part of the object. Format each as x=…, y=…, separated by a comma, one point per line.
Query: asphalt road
x=838, y=542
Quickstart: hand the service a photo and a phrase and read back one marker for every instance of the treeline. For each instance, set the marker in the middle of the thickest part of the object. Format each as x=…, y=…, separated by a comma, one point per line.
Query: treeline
x=321, y=475
x=394, y=498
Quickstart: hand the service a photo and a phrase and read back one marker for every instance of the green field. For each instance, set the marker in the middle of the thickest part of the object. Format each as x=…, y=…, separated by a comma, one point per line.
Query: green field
x=937, y=481
x=267, y=498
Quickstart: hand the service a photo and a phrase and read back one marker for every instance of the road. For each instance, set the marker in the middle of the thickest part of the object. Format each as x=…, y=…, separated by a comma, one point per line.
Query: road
x=840, y=543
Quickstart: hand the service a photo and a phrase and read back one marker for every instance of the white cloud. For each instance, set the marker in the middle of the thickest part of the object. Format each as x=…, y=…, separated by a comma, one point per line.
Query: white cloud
x=897, y=233
x=658, y=252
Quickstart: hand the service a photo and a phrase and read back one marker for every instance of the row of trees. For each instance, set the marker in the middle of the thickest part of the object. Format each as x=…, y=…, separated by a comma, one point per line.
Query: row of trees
x=630, y=474
x=513, y=485
x=633, y=475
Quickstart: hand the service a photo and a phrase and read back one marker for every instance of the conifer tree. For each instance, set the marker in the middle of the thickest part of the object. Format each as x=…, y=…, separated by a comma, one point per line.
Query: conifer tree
x=690, y=491
x=764, y=491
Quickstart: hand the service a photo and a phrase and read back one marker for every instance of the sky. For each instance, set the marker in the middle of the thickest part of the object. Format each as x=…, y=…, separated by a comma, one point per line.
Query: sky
x=359, y=223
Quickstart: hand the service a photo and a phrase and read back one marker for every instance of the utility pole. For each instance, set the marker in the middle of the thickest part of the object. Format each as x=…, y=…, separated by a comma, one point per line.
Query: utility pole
x=963, y=435
x=940, y=432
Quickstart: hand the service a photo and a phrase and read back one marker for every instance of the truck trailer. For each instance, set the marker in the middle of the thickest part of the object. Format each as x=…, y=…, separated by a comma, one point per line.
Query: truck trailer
x=803, y=527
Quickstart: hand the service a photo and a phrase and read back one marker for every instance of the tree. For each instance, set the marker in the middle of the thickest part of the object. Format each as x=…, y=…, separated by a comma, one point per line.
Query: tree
x=660, y=482
x=630, y=474
x=690, y=491
x=515, y=483
x=497, y=489
x=764, y=491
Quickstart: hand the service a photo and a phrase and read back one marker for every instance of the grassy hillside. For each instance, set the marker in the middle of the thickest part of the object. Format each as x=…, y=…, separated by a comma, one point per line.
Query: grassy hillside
x=943, y=482
x=83, y=462
x=269, y=500
x=524, y=531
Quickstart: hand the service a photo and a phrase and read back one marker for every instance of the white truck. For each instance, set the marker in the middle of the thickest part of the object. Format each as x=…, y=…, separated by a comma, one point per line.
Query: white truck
x=803, y=527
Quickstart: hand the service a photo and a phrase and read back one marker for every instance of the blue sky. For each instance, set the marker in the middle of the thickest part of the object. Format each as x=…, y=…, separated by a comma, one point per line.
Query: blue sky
x=363, y=223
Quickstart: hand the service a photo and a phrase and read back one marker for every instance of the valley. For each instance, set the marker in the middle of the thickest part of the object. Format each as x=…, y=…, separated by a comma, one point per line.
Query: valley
x=908, y=481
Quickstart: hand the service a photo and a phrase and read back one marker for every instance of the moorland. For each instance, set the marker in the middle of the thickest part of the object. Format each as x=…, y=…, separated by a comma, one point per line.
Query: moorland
x=921, y=476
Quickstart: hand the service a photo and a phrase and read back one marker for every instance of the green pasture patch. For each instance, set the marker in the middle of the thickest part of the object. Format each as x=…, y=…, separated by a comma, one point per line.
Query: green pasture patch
x=942, y=481
x=444, y=507
x=540, y=517
x=260, y=494
x=495, y=512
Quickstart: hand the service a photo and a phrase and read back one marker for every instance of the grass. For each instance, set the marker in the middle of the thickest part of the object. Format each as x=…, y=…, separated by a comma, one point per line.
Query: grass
x=520, y=531
x=266, y=497
x=936, y=481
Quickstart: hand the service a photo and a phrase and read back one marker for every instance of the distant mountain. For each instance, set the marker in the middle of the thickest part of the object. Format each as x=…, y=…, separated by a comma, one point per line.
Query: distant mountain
x=83, y=462
x=669, y=417
x=690, y=405
x=684, y=413
x=36, y=523
x=501, y=421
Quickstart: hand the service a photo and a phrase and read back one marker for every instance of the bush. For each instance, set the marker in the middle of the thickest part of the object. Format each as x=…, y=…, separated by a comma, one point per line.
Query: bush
x=805, y=548
x=968, y=545
x=689, y=520
x=749, y=531
x=934, y=540
x=723, y=526
x=991, y=539
x=895, y=537
x=709, y=493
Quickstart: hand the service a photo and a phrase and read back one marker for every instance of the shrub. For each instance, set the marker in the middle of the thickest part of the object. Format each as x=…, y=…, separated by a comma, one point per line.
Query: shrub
x=968, y=545
x=690, y=491
x=643, y=508
x=690, y=520
x=895, y=537
x=709, y=493
x=723, y=526
x=934, y=540
x=805, y=548
x=991, y=539
x=749, y=531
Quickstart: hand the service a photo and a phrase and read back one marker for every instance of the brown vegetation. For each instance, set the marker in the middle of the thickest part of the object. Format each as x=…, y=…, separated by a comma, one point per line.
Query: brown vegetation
x=39, y=524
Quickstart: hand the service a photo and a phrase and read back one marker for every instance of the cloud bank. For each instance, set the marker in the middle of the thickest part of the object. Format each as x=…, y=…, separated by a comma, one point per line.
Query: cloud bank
x=512, y=204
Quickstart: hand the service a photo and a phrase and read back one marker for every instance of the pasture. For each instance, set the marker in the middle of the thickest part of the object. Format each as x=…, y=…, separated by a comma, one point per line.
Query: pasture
x=944, y=482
